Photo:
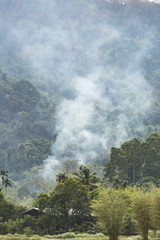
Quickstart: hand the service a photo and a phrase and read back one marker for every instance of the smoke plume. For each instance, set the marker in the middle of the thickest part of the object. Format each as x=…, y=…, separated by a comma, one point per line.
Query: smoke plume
x=92, y=62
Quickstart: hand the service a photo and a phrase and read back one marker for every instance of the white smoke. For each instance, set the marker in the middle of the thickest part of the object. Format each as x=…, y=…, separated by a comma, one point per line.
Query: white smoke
x=83, y=124
x=78, y=49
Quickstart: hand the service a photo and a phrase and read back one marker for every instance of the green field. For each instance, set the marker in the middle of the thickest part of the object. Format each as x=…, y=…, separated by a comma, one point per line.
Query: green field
x=42, y=238
x=60, y=237
x=68, y=236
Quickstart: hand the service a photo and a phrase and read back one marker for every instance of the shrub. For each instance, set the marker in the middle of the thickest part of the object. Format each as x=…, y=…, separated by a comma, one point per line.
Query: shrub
x=28, y=231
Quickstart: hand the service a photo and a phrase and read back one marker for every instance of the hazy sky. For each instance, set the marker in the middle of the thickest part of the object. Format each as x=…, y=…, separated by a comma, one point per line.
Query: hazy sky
x=78, y=49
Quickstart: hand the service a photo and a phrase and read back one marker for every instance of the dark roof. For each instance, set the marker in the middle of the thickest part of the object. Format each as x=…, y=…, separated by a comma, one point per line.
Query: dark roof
x=32, y=212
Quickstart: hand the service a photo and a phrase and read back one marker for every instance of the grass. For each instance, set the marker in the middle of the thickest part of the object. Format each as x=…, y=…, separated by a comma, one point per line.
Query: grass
x=68, y=236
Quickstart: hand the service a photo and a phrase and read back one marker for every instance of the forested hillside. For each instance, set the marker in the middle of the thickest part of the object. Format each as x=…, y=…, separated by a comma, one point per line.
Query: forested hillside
x=79, y=80
x=80, y=117
x=24, y=125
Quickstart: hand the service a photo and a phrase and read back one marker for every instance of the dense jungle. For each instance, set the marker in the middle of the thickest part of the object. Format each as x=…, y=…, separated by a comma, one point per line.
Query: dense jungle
x=80, y=119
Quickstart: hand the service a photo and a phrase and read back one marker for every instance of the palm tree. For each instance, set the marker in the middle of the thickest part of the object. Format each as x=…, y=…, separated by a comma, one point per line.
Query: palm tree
x=5, y=180
x=87, y=178
x=61, y=177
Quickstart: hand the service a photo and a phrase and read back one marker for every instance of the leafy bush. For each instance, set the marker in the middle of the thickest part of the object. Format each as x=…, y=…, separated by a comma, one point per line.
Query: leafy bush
x=77, y=236
x=28, y=231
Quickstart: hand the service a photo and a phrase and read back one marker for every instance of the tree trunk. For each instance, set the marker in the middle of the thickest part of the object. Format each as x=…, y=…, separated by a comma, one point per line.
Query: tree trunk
x=113, y=237
x=145, y=235
x=134, y=175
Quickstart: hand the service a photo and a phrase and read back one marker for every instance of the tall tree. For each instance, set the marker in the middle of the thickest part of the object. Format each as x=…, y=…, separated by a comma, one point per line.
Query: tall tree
x=141, y=206
x=125, y=162
x=155, y=208
x=87, y=178
x=110, y=209
x=68, y=204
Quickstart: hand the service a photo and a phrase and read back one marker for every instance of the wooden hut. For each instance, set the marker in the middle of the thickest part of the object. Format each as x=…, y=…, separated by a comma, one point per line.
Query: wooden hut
x=32, y=212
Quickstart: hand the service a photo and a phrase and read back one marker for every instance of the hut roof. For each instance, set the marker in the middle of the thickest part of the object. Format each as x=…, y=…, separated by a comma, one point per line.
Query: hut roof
x=32, y=212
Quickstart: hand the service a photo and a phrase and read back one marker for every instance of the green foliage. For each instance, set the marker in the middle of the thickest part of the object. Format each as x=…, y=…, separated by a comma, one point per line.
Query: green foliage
x=5, y=180
x=7, y=210
x=15, y=226
x=135, y=161
x=41, y=201
x=9, y=216
x=28, y=154
x=23, y=191
x=141, y=206
x=61, y=177
x=125, y=162
x=28, y=231
x=155, y=208
x=110, y=209
x=26, y=92
x=77, y=236
x=26, y=132
x=87, y=178
x=47, y=224
x=26, y=225
x=24, y=127
x=70, y=201
x=66, y=207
